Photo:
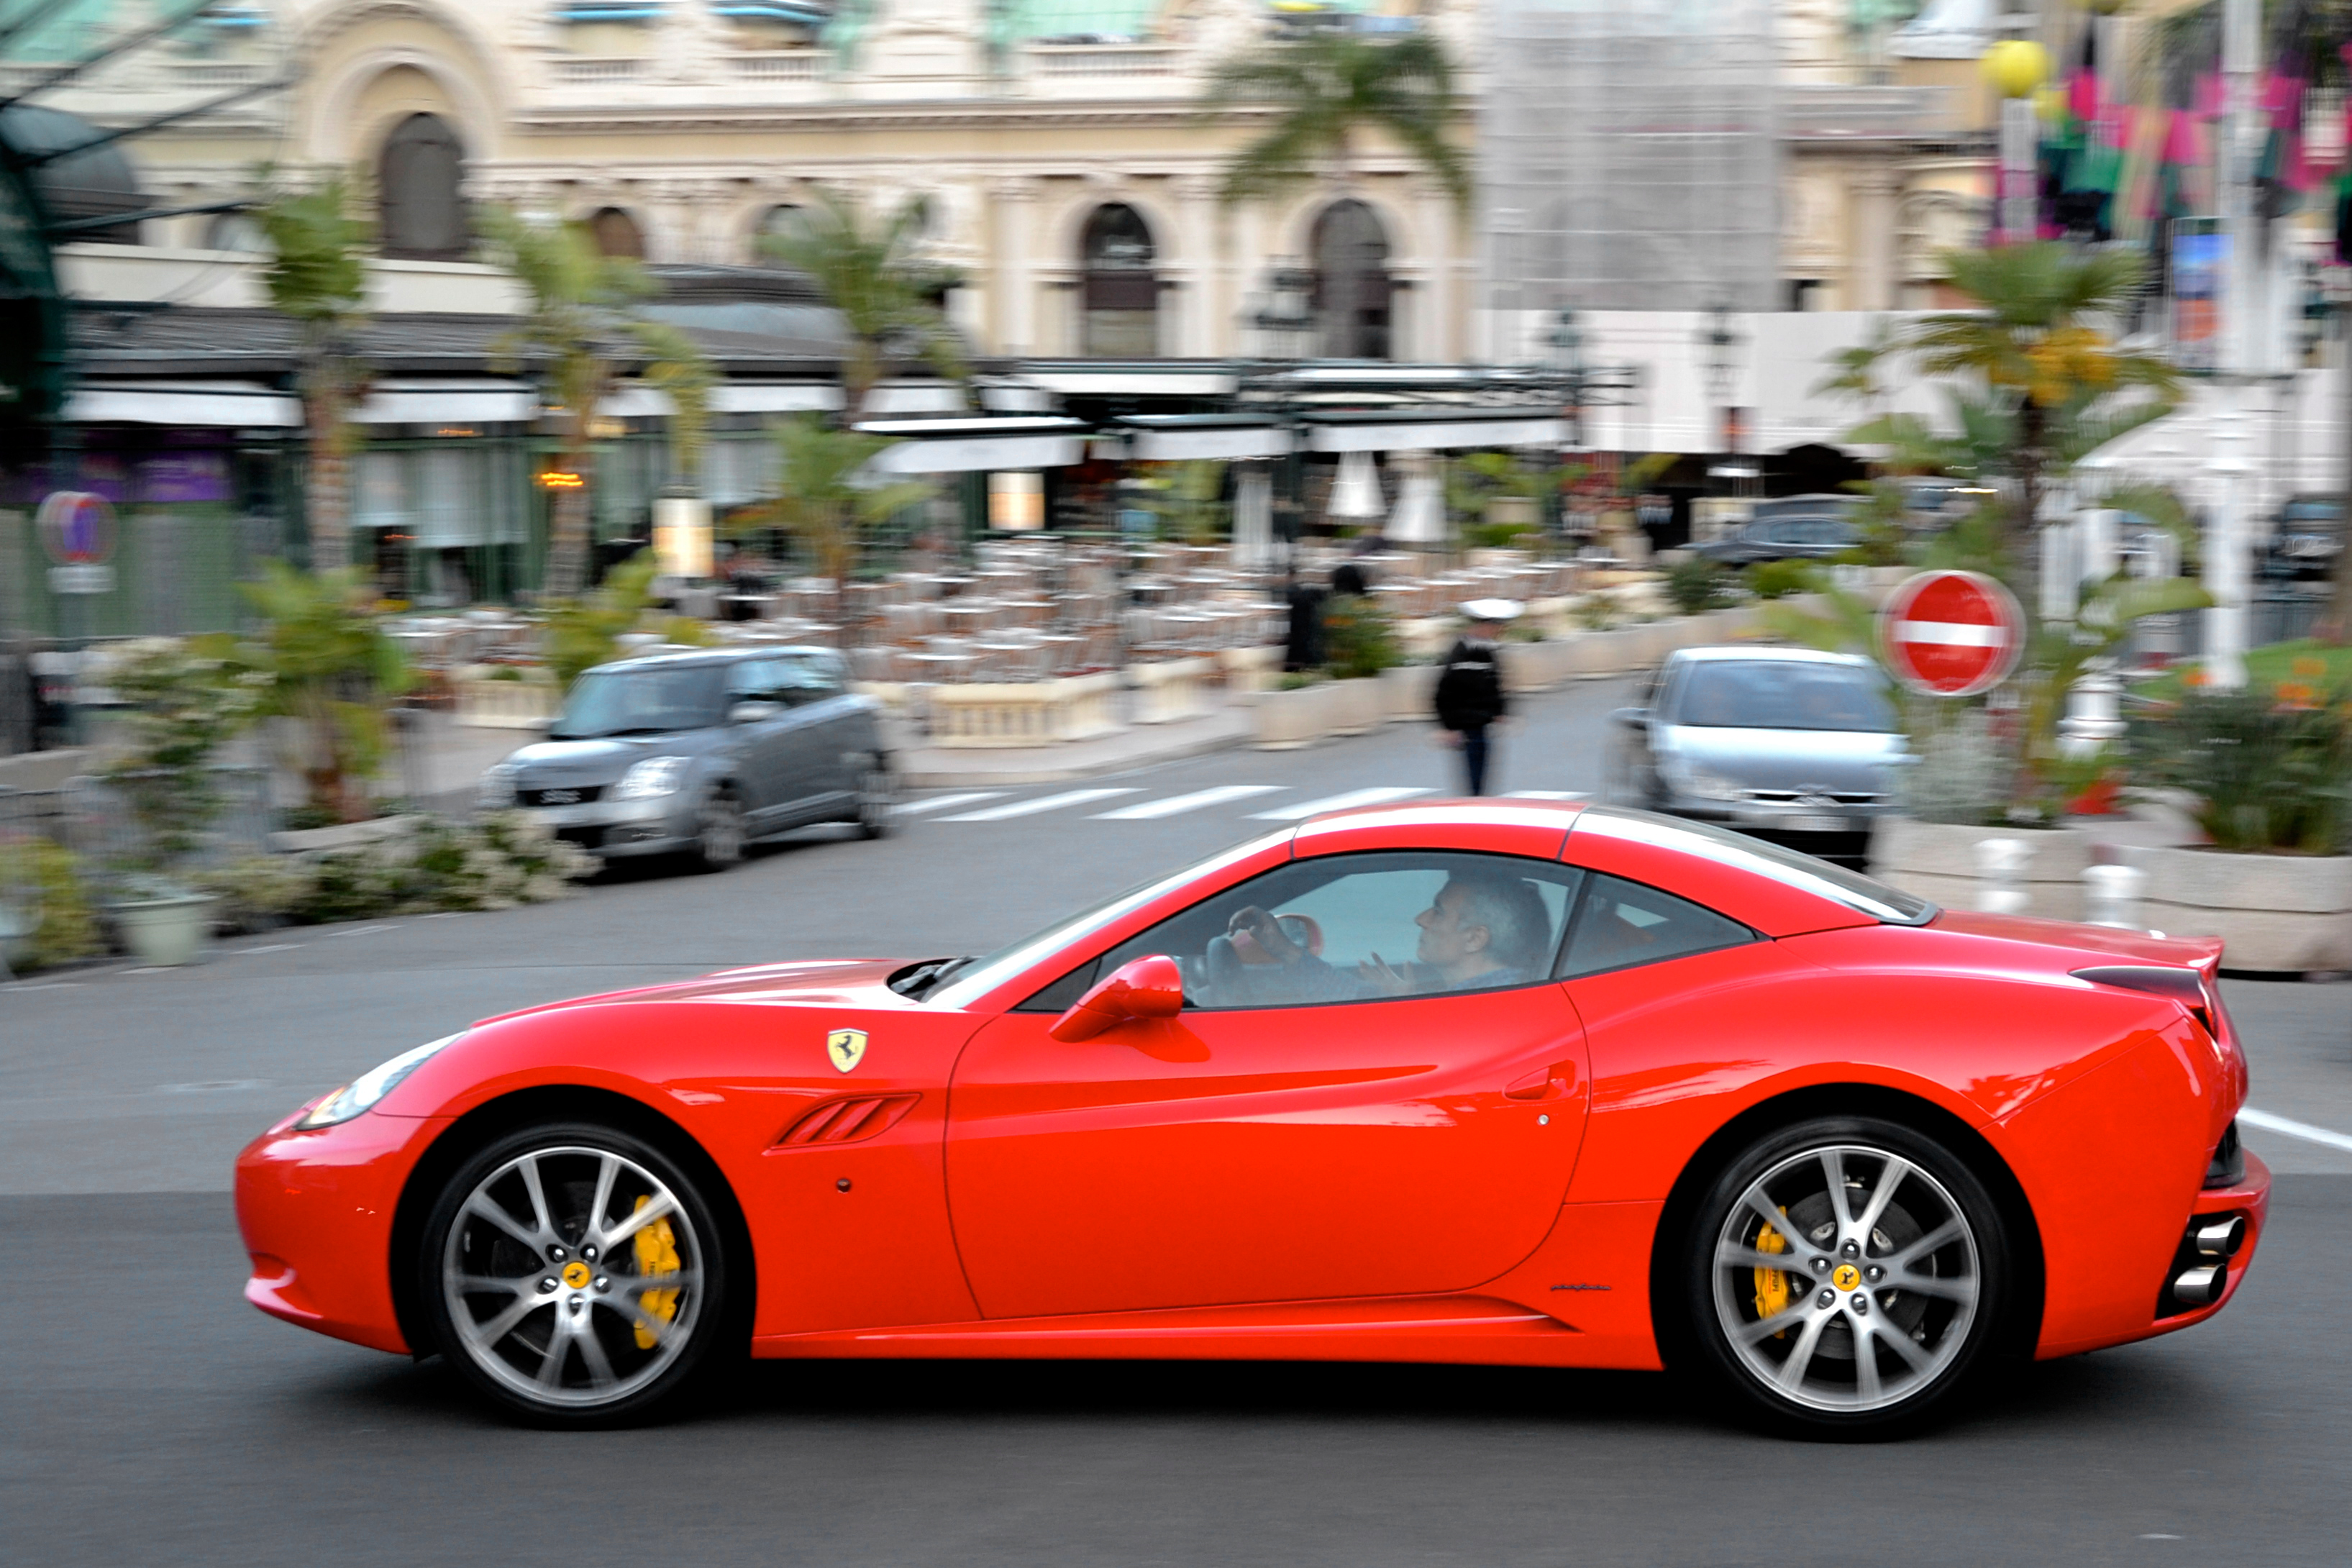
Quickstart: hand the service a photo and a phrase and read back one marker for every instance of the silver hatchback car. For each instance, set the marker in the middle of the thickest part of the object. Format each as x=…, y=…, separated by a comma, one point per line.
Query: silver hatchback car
x=1785, y=742
x=703, y=753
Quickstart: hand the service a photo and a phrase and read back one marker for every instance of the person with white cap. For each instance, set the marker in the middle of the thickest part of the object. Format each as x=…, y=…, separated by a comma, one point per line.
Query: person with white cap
x=1470, y=699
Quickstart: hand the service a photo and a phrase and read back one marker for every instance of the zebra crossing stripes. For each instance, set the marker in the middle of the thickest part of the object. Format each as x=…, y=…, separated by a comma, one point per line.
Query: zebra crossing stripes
x=1039, y=803
x=942, y=802
x=1177, y=805
x=1352, y=798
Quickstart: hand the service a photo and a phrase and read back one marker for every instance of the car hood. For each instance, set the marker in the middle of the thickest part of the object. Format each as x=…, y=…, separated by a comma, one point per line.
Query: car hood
x=825, y=983
x=1843, y=761
x=595, y=762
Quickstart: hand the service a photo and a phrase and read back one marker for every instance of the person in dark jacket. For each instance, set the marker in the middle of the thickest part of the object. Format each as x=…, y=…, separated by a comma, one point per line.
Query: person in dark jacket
x=1302, y=648
x=1470, y=699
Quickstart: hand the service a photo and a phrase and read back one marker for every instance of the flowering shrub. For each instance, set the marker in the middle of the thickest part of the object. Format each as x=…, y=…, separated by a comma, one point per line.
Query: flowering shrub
x=2269, y=770
x=503, y=860
x=185, y=700
x=48, y=918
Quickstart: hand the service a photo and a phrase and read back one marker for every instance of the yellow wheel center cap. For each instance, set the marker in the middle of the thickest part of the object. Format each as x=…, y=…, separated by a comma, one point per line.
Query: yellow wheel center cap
x=1846, y=1278
x=576, y=1273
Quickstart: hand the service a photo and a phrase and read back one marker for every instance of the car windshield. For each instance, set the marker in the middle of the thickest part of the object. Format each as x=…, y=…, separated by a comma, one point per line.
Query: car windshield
x=2313, y=511
x=1783, y=694
x=641, y=702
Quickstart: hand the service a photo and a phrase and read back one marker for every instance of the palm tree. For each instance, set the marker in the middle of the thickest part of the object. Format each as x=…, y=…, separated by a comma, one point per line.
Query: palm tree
x=830, y=497
x=2040, y=346
x=579, y=325
x=316, y=276
x=888, y=298
x=1329, y=89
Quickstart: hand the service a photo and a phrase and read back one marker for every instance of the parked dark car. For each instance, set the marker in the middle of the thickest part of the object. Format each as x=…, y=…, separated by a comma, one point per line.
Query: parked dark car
x=2306, y=538
x=703, y=753
x=1794, y=528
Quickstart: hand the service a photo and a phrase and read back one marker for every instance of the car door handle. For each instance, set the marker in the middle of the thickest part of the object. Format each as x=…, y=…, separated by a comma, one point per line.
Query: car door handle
x=1544, y=1083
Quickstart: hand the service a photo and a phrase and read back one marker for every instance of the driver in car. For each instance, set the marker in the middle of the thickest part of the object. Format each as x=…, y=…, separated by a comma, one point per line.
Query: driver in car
x=1479, y=932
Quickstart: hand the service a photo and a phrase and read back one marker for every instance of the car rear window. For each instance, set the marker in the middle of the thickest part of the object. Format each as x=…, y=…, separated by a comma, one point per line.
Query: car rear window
x=1790, y=868
x=1783, y=694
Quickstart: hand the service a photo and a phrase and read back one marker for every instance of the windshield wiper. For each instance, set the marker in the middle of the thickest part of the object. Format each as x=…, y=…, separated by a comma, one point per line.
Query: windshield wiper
x=922, y=979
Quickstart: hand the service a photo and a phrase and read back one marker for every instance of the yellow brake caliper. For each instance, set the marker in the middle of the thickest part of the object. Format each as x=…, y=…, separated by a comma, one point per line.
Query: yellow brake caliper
x=656, y=1247
x=1771, y=1284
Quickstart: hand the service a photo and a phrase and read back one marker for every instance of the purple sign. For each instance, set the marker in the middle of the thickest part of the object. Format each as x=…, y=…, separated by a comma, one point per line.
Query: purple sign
x=185, y=477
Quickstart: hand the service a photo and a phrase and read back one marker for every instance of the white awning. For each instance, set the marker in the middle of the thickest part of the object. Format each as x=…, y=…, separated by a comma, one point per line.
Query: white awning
x=1213, y=441
x=1433, y=436
x=793, y=397
x=450, y=402
x=1099, y=383
x=229, y=405
x=979, y=454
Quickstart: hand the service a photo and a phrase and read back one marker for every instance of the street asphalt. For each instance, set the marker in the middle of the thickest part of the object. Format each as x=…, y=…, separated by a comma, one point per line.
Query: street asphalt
x=155, y=1416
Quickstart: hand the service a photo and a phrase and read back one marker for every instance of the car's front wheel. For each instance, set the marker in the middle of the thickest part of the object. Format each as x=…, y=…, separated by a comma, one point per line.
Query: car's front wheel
x=1846, y=1277
x=576, y=1274
x=878, y=796
x=720, y=834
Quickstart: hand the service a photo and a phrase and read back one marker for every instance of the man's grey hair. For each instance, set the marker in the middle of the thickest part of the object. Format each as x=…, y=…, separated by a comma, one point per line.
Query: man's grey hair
x=1519, y=927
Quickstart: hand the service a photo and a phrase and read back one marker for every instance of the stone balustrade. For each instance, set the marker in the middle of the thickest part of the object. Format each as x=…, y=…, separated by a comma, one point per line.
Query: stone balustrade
x=1170, y=691
x=1025, y=713
x=486, y=702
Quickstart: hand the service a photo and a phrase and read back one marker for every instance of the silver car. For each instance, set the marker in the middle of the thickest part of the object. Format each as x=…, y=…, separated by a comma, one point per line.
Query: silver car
x=1782, y=742
x=704, y=753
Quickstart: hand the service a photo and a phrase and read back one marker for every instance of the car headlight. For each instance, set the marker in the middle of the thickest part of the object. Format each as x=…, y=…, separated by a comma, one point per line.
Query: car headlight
x=1700, y=784
x=371, y=1086
x=498, y=786
x=655, y=775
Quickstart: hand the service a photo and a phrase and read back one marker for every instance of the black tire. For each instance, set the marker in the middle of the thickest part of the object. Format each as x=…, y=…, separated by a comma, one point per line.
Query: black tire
x=541, y=1366
x=721, y=834
x=1926, y=1342
x=878, y=796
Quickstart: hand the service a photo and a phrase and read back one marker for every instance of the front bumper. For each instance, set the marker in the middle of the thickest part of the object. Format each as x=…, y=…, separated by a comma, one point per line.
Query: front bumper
x=316, y=1211
x=1774, y=817
x=662, y=825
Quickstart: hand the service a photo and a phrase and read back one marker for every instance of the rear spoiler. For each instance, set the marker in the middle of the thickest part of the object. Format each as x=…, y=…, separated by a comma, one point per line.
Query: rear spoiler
x=2197, y=987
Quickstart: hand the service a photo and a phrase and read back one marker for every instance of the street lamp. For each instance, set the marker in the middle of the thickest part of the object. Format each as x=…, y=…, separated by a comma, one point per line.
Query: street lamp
x=1286, y=325
x=1566, y=340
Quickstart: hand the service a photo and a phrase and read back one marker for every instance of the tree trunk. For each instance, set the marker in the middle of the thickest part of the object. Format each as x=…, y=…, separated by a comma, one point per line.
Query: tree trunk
x=567, y=545
x=328, y=484
x=2025, y=544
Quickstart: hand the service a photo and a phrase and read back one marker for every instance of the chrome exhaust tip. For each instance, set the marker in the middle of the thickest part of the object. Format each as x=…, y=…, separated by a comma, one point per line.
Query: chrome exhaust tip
x=2199, y=1287
x=2221, y=1239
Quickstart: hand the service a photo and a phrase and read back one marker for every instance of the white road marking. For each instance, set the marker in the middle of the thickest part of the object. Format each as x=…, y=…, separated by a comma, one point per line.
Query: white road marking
x=47, y=985
x=2303, y=1130
x=1337, y=802
x=271, y=947
x=1043, y=803
x=363, y=930
x=1549, y=795
x=941, y=802
x=1176, y=805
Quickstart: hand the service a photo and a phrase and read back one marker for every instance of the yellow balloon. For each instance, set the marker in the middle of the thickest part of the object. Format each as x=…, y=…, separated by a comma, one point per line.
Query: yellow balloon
x=2016, y=67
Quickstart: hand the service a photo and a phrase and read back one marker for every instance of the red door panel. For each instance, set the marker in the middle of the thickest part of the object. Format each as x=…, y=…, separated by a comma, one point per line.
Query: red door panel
x=1296, y=1153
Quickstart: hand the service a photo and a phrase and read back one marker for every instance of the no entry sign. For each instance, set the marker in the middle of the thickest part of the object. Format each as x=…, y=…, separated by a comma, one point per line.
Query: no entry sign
x=1951, y=633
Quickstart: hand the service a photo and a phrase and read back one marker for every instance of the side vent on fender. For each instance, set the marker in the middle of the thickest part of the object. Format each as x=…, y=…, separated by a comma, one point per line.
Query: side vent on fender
x=847, y=1120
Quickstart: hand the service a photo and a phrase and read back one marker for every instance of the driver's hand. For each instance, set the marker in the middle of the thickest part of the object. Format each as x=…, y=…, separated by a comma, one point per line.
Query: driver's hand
x=1267, y=933
x=1375, y=972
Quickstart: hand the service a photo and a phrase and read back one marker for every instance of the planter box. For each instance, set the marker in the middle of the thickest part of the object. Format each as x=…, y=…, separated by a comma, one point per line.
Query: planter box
x=488, y=703
x=164, y=933
x=343, y=836
x=1172, y=691
x=1409, y=693
x=1286, y=721
x=1937, y=860
x=1356, y=706
x=1599, y=654
x=2276, y=912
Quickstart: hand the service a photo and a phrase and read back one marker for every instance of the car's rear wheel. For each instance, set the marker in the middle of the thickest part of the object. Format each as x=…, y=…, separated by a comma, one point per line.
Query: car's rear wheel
x=878, y=796
x=1845, y=1278
x=576, y=1274
x=720, y=834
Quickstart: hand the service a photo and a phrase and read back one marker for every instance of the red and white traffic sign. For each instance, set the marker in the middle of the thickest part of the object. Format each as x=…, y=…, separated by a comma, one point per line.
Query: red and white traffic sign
x=1951, y=633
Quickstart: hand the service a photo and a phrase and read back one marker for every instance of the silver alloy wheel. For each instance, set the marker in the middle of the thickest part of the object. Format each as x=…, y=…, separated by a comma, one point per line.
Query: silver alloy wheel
x=572, y=1276
x=1846, y=1278
x=719, y=833
x=878, y=799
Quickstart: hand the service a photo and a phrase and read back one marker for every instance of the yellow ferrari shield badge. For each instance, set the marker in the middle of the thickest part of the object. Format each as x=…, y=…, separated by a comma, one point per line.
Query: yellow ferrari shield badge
x=846, y=1048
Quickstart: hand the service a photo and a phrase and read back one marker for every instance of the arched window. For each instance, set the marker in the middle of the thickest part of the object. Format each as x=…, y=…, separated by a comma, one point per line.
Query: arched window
x=1121, y=298
x=1351, y=283
x=422, y=215
x=616, y=234
x=776, y=223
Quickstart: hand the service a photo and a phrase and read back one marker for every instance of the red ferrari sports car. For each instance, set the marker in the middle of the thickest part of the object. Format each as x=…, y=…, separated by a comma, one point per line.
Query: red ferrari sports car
x=1470, y=1081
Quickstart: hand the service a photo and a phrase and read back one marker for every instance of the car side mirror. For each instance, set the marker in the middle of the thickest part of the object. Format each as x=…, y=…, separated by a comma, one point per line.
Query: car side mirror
x=1632, y=718
x=1149, y=988
x=751, y=712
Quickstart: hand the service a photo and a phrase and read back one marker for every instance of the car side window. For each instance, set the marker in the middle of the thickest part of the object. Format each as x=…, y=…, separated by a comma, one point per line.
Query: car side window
x=754, y=680
x=805, y=680
x=1356, y=927
x=1620, y=924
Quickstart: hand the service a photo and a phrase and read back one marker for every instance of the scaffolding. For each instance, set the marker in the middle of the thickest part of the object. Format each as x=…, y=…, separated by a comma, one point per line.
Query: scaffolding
x=1631, y=156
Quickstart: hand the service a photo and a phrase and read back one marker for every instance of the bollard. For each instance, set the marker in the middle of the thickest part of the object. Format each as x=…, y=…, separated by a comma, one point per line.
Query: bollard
x=2111, y=896
x=2000, y=876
